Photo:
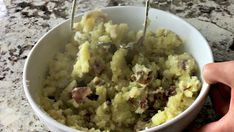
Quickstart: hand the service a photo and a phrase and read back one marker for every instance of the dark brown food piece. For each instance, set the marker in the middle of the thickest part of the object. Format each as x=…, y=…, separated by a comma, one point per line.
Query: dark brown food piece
x=170, y=91
x=143, y=103
x=183, y=64
x=142, y=77
x=79, y=94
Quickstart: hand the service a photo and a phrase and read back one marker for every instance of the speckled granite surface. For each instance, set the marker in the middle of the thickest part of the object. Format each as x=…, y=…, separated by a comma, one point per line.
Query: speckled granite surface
x=22, y=23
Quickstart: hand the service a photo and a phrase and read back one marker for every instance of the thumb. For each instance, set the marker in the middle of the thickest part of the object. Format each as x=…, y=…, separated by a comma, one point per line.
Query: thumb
x=211, y=127
x=222, y=125
x=222, y=72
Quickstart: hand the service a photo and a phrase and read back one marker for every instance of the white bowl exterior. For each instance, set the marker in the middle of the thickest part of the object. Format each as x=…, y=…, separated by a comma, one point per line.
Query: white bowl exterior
x=54, y=41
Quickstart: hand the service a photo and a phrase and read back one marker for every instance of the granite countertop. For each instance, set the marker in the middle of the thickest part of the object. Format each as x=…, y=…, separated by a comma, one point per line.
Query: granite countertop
x=22, y=23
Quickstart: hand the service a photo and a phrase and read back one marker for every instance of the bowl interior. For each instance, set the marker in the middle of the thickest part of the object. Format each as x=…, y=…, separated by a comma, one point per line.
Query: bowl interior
x=37, y=63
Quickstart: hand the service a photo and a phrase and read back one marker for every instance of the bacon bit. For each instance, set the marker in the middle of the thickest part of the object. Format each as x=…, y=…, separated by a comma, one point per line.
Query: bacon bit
x=183, y=64
x=170, y=91
x=145, y=81
x=142, y=78
x=80, y=93
x=131, y=100
x=143, y=103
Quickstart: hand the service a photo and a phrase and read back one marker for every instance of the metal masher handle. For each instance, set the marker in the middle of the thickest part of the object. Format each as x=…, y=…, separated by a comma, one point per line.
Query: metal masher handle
x=72, y=14
x=146, y=19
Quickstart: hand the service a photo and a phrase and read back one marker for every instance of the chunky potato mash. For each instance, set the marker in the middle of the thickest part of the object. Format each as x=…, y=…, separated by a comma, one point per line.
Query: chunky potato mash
x=99, y=87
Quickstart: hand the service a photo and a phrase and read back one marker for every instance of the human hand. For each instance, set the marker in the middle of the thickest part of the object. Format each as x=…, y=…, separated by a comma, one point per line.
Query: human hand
x=221, y=78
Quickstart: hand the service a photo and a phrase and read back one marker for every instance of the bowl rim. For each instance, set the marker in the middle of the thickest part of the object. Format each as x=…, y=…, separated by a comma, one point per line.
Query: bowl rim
x=42, y=114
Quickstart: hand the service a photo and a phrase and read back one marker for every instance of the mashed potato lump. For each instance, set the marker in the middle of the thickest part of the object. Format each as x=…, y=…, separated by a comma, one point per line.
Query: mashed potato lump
x=97, y=84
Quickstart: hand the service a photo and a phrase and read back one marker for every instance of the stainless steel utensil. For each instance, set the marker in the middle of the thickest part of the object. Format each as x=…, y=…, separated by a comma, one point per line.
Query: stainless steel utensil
x=133, y=48
x=72, y=15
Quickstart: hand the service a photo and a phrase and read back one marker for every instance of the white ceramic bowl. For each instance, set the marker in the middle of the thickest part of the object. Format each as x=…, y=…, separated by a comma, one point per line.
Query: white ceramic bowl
x=54, y=41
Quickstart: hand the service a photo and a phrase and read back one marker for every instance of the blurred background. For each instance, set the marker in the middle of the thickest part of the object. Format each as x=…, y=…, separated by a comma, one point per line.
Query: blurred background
x=23, y=22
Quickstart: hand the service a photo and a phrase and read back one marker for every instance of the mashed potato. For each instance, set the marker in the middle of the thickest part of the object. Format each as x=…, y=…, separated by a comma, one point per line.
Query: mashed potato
x=93, y=87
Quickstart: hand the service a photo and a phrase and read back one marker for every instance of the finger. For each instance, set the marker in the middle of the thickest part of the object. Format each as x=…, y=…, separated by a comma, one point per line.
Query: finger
x=219, y=72
x=211, y=127
x=231, y=108
x=220, y=104
x=225, y=124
